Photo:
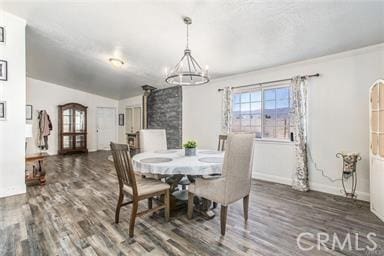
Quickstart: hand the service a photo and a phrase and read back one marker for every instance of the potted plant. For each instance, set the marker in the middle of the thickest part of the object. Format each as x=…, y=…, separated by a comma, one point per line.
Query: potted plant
x=190, y=148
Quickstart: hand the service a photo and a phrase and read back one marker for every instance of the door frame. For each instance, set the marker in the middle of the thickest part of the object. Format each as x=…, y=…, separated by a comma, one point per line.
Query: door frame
x=133, y=106
x=114, y=125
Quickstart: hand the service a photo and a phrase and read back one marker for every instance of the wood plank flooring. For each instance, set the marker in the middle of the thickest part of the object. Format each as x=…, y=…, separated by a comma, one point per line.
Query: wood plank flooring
x=74, y=215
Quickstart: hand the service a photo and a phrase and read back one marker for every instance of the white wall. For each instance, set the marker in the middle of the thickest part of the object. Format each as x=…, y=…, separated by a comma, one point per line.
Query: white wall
x=123, y=104
x=12, y=141
x=47, y=96
x=338, y=115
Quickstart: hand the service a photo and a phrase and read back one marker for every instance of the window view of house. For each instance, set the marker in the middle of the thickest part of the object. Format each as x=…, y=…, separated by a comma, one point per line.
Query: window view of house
x=265, y=111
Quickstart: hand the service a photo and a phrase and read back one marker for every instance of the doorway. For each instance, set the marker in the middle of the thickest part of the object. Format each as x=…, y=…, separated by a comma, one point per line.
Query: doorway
x=105, y=127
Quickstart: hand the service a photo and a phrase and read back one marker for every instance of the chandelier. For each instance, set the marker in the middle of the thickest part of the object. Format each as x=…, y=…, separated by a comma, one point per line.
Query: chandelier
x=187, y=72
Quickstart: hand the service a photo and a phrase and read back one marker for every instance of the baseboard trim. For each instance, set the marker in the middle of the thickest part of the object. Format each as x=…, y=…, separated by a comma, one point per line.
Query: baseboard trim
x=364, y=196
x=12, y=191
x=381, y=217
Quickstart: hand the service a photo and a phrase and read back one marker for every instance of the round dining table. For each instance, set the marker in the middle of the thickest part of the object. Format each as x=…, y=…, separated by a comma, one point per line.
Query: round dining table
x=174, y=166
x=174, y=162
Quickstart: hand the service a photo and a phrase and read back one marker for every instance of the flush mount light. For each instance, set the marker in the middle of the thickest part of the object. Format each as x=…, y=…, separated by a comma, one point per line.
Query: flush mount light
x=118, y=63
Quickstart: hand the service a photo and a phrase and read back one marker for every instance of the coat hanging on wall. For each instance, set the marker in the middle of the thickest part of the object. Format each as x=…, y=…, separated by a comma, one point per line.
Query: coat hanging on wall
x=45, y=128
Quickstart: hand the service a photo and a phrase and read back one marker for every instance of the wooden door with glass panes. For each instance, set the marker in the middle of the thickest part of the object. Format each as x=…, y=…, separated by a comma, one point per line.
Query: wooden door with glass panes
x=377, y=148
x=72, y=128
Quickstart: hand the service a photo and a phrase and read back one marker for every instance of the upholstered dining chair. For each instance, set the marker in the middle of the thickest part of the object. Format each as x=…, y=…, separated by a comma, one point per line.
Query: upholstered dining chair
x=234, y=183
x=136, y=187
x=152, y=140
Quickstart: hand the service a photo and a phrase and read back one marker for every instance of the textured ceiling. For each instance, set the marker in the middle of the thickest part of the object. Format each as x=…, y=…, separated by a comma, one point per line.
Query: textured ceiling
x=69, y=42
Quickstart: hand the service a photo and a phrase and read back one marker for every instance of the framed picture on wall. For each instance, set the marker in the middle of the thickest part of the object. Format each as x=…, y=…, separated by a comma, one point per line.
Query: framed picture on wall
x=3, y=110
x=3, y=70
x=121, y=119
x=29, y=112
x=2, y=35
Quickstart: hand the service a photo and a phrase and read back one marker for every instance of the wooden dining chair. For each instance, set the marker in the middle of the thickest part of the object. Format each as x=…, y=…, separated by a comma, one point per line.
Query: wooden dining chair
x=137, y=187
x=222, y=140
x=234, y=183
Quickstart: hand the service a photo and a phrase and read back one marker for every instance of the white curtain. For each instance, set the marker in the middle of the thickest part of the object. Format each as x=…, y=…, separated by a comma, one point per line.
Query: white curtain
x=226, y=121
x=299, y=109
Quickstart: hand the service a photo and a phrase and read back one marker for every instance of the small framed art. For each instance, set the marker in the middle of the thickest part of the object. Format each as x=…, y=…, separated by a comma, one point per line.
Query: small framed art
x=3, y=70
x=3, y=110
x=2, y=35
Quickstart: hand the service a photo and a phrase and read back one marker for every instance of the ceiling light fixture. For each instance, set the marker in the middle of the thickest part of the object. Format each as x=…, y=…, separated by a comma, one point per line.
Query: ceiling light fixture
x=118, y=63
x=187, y=72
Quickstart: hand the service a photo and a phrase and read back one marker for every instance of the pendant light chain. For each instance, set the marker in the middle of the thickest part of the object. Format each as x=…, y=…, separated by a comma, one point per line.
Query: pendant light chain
x=187, y=36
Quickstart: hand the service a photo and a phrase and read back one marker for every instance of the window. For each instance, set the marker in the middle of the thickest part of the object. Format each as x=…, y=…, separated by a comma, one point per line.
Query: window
x=265, y=111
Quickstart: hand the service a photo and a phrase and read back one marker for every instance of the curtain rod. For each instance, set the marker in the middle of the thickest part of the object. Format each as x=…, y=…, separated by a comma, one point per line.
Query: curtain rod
x=271, y=82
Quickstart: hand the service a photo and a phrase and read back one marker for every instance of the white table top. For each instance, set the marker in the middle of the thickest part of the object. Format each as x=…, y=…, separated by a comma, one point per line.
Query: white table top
x=174, y=161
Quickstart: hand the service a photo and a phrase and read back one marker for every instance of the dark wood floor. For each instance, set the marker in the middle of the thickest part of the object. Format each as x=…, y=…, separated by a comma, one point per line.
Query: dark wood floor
x=74, y=213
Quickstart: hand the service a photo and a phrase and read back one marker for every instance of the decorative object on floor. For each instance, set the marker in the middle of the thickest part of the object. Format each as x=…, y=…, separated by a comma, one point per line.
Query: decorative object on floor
x=45, y=128
x=350, y=160
x=2, y=35
x=190, y=148
x=38, y=174
x=234, y=183
x=138, y=189
x=133, y=143
x=376, y=151
x=3, y=70
x=121, y=119
x=187, y=71
x=29, y=112
x=299, y=106
x=3, y=110
x=72, y=128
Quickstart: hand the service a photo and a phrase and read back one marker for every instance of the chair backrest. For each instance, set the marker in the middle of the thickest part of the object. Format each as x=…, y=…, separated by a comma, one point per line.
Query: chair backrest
x=152, y=140
x=123, y=166
x=221, y=144
x=237, y=166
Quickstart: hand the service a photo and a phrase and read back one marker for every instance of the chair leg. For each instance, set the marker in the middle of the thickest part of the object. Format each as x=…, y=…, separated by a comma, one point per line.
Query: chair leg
x=214, y=205
x=135, y=205
x=167, y=206
x=245, y=207
x=190, y=205
x=223, y=219
x=150, y=203
x=119, y=203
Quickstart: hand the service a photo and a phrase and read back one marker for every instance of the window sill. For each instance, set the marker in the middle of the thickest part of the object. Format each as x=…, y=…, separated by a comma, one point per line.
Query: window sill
x=273, y=141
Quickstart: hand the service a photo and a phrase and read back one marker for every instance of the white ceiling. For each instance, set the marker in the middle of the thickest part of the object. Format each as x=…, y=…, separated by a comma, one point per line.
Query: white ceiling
x=69, y=42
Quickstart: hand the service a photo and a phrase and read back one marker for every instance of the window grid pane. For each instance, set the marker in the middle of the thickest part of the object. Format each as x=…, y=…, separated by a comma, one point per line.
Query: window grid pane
x=267, y=112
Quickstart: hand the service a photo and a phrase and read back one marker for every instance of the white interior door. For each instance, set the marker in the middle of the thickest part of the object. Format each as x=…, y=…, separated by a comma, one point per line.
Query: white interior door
x=105, y=127
x=377, y=148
